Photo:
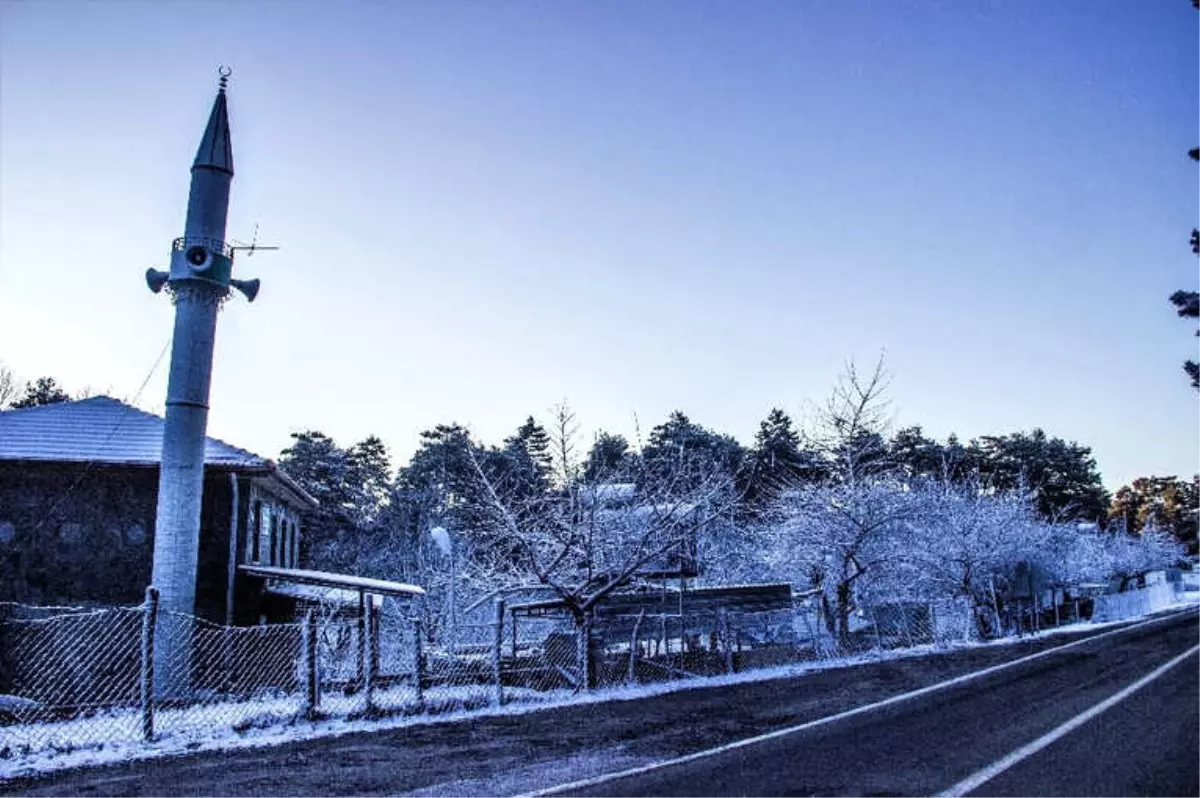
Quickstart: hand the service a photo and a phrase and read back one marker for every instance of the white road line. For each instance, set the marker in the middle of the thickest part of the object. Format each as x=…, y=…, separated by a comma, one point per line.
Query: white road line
x=720, y=749
x=996, y=768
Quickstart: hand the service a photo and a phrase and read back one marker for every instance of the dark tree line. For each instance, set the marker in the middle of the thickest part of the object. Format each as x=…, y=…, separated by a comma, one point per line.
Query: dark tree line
x=368, y=509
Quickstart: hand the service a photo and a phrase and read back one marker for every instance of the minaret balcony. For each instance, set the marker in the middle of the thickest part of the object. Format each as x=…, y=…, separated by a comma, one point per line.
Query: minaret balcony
x=201, y=258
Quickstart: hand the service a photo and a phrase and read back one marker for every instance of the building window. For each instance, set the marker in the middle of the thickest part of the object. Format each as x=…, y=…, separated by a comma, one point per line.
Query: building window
x=264, y=537
x=71, y=533
x=256, y=532
x=7, y=531
x=135, y=534
x=276, y=533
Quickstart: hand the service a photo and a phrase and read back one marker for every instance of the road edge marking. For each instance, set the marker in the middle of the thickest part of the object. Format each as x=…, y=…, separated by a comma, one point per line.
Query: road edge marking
x=981, y=777
x=896, y=699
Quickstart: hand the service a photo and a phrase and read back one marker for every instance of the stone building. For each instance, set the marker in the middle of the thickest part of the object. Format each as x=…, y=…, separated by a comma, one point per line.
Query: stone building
x=78, y=491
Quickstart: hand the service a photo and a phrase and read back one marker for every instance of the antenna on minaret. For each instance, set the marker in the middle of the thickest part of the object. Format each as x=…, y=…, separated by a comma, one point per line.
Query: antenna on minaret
x=253, y=246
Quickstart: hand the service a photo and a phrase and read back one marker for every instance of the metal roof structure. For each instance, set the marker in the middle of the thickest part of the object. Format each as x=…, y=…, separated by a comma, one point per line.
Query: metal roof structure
x=362, y=584
x=106, y=431
x=702, y=600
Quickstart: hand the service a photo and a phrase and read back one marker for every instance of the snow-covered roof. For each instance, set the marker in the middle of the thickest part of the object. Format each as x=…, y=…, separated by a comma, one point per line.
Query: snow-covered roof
x=381, y=587
x=100, y=429
x=609, y=492
x=328, y=595
x=107, y=431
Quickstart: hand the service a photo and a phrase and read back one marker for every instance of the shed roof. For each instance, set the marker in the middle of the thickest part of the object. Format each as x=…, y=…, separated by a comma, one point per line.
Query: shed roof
x=107, y=431
x=737, y=598
x=363, y=584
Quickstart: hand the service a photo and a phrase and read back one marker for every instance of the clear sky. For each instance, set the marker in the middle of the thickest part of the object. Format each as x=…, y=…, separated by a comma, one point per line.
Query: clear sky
x=486, y=208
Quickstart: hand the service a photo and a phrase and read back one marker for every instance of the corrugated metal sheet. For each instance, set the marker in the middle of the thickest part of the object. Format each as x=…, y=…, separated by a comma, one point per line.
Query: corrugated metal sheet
x=100, y=430
x=738, y=598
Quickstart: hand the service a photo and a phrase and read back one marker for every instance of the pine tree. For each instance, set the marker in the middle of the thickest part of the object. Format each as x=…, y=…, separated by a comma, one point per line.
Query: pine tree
x=681, y=455
x=916, y=456
x=609, y=460
x=776, y=463
x=527, y=460
x=1061, y=474
x=1187, y=303
x=42, y=391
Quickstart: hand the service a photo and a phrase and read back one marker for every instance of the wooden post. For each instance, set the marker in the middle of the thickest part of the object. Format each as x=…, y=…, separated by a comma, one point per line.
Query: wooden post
x=497, y=642
x=1077, y=618
x=418, y=663
x=312, y=693
x=1057, y=616
x=633, y=647
x=370, y=655
x=726, y=642
x=149, y=622
x=583, y=653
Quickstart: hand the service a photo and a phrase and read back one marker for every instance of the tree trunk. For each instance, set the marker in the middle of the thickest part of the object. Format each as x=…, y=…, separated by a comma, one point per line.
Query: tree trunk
x=843, y=614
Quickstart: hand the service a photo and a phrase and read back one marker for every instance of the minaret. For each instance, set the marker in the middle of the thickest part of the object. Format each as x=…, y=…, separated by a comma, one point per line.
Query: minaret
x=198, y=282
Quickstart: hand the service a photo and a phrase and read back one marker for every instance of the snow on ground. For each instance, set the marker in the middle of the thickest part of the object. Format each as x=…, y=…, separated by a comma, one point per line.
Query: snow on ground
x=115, y=736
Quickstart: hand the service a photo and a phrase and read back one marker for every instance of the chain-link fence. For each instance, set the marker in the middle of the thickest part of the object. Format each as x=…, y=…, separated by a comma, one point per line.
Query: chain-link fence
x=69, y=677
x=75, y=677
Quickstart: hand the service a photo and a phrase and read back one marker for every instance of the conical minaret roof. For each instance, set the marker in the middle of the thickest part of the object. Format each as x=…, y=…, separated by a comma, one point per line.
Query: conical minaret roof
x=216, y=149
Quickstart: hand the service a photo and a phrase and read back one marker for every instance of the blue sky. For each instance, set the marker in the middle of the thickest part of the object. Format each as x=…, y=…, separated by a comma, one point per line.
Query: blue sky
x=486, y=208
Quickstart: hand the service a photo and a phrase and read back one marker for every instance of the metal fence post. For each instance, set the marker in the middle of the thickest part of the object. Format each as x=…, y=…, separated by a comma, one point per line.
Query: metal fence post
x=360, y=653
x=497, y=642
x=312, y=694
x=875, y=626
x=418, y=676
x=149, y=622
x=367, y=625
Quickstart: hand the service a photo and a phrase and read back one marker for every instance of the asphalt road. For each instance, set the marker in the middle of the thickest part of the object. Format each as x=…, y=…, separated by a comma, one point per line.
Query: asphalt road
x=1145, y=745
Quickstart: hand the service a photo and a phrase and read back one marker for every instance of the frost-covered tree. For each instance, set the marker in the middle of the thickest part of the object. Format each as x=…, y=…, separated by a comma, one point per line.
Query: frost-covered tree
x=10, y=387
x=852, y=425
x=966, y=542
x=835, y=536
x=831, y=535
x=579, y=547
x=1074, y=555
